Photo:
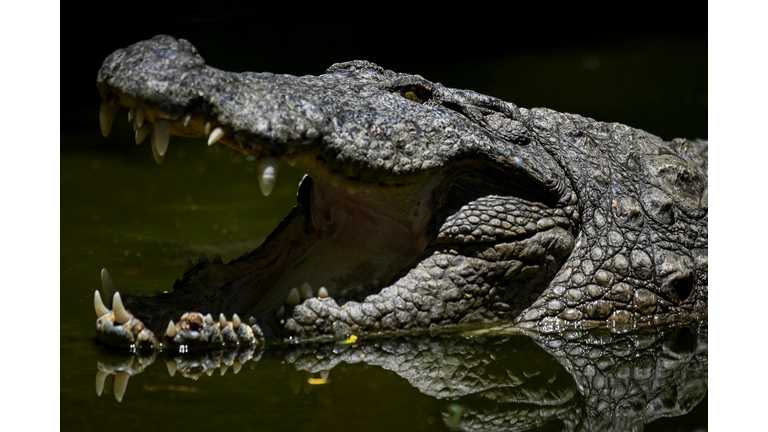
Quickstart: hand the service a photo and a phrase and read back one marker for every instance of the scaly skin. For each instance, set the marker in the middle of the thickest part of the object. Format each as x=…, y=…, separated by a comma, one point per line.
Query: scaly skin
x=423, y=206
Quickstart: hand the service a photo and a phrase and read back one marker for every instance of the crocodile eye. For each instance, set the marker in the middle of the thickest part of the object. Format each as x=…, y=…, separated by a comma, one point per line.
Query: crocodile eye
x=415, y=93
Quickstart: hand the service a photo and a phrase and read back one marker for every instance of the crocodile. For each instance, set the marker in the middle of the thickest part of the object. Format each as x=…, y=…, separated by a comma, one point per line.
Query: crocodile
x=423, y=207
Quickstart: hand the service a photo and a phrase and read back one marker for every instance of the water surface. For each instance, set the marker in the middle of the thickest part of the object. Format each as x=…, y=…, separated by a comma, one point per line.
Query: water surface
x=122, y=211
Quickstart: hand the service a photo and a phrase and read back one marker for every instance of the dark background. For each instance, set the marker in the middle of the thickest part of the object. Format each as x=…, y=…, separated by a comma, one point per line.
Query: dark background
x=645, y=67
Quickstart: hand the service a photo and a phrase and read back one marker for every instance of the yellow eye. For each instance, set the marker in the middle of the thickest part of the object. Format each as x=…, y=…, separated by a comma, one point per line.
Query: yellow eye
x=412, y=96
x=415, y=93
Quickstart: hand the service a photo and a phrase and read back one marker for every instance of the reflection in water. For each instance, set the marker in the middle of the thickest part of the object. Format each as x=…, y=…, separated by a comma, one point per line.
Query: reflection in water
x=496, y=379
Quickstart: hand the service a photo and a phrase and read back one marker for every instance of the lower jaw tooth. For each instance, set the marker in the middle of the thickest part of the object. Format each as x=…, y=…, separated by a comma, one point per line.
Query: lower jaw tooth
x=122, y=316
x=293, y=298
x=108, y=287
x=170, y=331
x=98, y=304
x=306, y=291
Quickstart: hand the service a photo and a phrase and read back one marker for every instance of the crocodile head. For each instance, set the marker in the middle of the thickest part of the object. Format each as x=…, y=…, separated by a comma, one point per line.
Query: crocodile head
x=422, y=205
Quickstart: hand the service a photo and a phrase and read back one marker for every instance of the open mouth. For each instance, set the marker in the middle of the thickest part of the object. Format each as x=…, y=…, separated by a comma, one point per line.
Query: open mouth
x=406, y=217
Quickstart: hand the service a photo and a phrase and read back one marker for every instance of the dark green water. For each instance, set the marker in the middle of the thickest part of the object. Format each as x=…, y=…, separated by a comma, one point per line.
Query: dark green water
x=122, y=211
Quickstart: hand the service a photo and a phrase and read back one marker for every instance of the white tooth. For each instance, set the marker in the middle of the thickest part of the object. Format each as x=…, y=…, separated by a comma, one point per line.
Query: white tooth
x=158, y=158
x=170, y=331
x=293, y=297
x=306, y=291
x=138, y=121
x=207, y=127
x=171, y=365
x=236, y=321
x=291, y=159
x=188, y=264
x=122, y=316
x=107, y=113
x=336, y=179
x=351, y=186
x=222, y=320
x=217, y=259
x=209, y=319
x=203, y=258
x=281, y=312
x=266, y=167
x=324, y=374
x=141, y=133
x=322, y=292
x=216, y=135
x=187, y=118
x=108, y=287
x=209, y=372
x=101, y=310
x=236, y=367
x=101, y=376
x=121, y=384
x=223, y=369
x=131, y=113
x=161, y=135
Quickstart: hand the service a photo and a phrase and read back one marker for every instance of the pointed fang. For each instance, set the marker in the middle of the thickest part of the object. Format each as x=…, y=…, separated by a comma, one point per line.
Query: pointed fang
x=291, y=159
x=107, y=113
x=141, y=133
x=236, y=321
x=222, y=320
x=121, y=384
x=101, y=376
x=306, y=291
x=216, y=135
x=203, y=258
x=267, y=170
x=158, y=158
x=98, y=304
x=162, y=135
x=108, y=287
x=170, y=331
x=293, y=297
x=122, y=316
x=138, y=121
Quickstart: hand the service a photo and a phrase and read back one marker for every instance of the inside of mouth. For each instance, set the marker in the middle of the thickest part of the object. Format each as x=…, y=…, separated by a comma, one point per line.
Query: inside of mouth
x=355, y=234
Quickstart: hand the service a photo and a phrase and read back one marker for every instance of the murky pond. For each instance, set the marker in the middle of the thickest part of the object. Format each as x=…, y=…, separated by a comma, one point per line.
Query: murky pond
x=122, y=211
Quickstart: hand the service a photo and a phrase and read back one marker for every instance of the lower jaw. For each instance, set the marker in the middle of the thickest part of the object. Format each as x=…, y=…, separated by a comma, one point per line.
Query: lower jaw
x=338, y=248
